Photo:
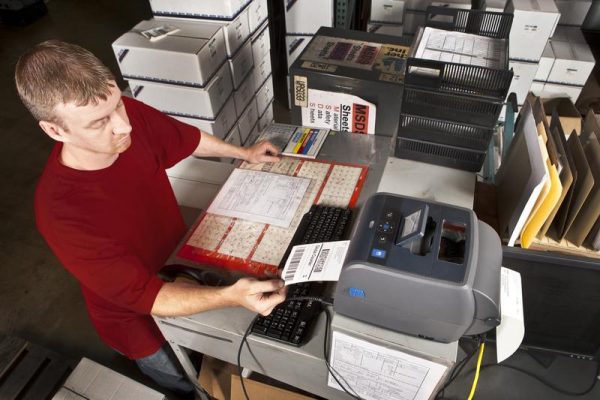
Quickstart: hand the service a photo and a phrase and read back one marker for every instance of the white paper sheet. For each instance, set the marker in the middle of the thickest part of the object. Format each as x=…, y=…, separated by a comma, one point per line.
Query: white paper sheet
x=315, y=262
x=260, y=197
x=339, y=111
x=377, y=373
x=510, y=332
x=462, y=48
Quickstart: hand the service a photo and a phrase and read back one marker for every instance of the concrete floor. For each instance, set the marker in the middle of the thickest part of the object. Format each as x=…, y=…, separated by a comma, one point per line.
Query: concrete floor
x=39, y=300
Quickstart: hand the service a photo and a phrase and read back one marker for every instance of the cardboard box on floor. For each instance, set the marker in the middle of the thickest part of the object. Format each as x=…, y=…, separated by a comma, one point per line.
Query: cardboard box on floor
x=221, y=380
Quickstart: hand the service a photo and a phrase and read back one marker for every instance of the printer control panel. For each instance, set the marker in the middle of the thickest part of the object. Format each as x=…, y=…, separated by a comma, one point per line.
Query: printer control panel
x=384, y=236
x=414, y=236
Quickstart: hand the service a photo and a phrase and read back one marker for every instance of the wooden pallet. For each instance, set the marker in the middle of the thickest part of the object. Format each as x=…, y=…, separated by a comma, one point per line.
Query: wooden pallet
x=29, y=371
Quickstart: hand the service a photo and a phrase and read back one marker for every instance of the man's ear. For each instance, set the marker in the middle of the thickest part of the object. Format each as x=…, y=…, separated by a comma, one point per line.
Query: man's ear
x=53, y=130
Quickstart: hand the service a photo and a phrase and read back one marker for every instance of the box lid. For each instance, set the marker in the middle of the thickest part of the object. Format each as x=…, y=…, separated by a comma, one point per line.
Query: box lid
x=355, y=54
x=191, y=37
x=535, y=6
x=572, y=51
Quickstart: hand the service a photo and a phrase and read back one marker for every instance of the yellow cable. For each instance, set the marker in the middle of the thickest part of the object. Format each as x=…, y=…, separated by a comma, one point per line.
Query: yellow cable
x=481, y=349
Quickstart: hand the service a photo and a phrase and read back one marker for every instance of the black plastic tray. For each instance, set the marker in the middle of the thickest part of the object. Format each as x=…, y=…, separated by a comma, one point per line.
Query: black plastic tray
x=439, y=154
x=462, y=78
x=445, y=132
x=483, y=23
x=459, y=78
x=465, y=109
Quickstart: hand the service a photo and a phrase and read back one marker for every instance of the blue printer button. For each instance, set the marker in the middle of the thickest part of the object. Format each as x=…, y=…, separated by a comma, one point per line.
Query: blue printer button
x=355, y=292
x=378, y=253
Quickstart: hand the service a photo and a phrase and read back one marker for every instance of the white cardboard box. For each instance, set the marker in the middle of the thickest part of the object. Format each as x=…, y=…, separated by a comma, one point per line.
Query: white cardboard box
x=261, y=43
x=421, y=5
x=241, y=64
x=387, y=11
x=524, y=72
x=264, y=95
x=190, y=56
x=383, y=28
x=218, y=9
x=537, y=87
x=90, y=380
x=305, y=17
x=295, y=44
x=533, y=24
x=235, y=31
x=413, y=20
x=262, y=70
x=258, y=13
x=244, y=94
x=552, y=90
x=186, y=101
x=265, y=119
x=573, y=63
x=218, y=126
x=545, y=64
x=247, y=121
x=569, y=34
x=573, y=12
x=495, y=5
x=234, y=136
x=450, y=4
x=254, y=132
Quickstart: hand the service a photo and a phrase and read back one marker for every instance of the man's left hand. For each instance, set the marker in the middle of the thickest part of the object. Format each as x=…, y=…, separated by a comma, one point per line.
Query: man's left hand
x=262, y=152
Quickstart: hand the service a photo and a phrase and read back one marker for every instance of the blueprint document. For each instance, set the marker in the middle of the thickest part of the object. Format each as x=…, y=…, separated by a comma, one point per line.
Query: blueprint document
x=377, y=373
x=260, y=197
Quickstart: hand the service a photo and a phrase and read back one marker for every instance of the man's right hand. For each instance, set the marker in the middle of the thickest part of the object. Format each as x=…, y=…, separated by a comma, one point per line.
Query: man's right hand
x=257, y=296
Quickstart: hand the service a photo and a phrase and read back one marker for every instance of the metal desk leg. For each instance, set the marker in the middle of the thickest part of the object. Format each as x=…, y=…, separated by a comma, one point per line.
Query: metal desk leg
x=184, y=359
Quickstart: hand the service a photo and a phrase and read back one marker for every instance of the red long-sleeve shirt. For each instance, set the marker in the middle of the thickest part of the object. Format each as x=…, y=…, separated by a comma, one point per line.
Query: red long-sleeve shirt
x=114, y=228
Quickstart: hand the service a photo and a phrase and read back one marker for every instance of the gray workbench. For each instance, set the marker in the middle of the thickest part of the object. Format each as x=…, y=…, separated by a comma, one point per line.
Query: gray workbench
x=218, y=333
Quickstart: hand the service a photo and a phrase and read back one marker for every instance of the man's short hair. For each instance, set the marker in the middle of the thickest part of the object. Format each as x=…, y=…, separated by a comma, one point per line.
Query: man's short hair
x=55, y=72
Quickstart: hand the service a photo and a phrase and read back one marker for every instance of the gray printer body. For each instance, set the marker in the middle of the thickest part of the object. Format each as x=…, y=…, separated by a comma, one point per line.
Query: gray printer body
x=427, y=269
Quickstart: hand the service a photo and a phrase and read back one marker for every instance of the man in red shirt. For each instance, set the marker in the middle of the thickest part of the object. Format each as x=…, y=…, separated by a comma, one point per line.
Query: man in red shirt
x=106, y=209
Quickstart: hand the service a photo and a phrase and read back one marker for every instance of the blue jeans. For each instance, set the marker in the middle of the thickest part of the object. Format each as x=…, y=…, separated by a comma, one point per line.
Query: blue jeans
x=164, y=369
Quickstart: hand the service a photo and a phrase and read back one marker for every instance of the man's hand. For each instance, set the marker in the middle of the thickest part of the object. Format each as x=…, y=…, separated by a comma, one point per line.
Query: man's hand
x=261, y=152
x=257, y=296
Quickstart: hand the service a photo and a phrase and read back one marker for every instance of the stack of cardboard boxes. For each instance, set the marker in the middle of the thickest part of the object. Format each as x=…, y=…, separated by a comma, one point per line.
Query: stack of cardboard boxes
x=415, y=12
x=212, y=70
x=547, y=59
x=303, y=18
x=386, y=17
x=565, y=66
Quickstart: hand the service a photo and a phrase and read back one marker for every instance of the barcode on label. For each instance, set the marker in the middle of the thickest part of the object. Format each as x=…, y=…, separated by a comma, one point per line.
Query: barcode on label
x=295, y=258
x=321, y=260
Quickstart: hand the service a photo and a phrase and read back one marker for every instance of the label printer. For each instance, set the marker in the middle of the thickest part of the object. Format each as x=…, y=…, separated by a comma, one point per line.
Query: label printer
x=422, y=268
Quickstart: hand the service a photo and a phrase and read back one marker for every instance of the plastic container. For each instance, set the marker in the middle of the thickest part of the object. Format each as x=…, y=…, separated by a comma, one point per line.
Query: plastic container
x=445, y=132
x=439, y=154
x=452, y=108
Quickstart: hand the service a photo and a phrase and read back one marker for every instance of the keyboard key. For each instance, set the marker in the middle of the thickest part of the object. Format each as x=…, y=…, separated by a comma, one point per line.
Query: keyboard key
x=275, y=333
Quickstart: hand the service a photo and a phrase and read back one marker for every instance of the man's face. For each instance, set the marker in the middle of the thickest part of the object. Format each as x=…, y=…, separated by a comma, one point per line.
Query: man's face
x=98, y=128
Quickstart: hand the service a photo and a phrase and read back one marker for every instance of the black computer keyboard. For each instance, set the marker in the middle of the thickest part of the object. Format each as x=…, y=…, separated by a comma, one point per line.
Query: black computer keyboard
x=291, y=321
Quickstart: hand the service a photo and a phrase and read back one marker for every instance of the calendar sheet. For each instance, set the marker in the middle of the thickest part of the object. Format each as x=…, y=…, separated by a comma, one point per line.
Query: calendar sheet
x=257, y=248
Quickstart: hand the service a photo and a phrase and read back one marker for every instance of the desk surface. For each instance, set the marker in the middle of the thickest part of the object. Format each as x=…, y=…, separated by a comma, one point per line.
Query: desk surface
x=218, y=333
